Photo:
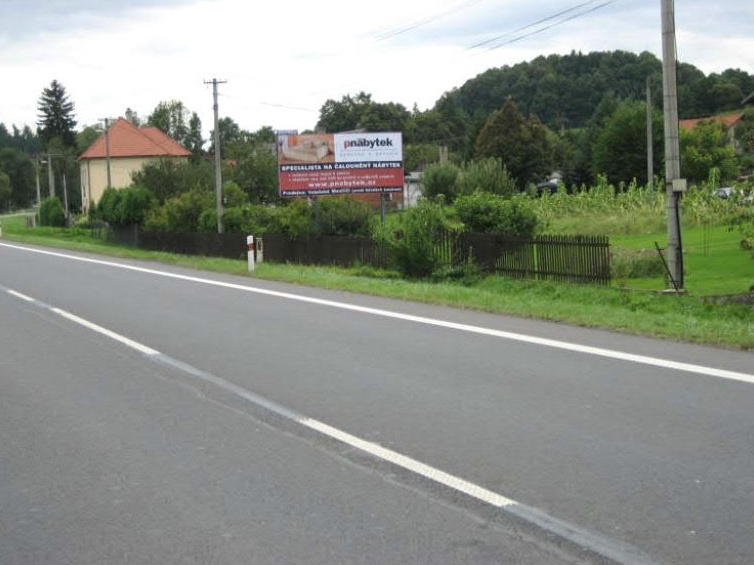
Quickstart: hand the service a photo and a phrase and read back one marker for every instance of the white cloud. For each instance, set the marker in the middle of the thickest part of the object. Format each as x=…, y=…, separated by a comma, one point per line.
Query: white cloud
x=283, y=60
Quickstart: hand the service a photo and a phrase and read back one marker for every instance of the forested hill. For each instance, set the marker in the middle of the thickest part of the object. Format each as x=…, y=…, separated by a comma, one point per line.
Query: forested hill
x=564, y=90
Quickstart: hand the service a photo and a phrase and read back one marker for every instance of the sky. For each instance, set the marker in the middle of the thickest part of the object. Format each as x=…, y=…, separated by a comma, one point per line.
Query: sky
x=283, y=59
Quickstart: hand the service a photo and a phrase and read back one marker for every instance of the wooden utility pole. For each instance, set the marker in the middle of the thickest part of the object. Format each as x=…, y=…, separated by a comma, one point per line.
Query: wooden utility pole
x=107, y=151
x=674, y=185
x=37, y=164
x=650, y=140
x=65, y=197
x=50, y=175
x=218, y=161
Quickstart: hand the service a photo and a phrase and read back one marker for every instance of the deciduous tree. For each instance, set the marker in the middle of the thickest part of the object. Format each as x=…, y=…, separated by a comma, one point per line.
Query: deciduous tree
x=620, y=147
x=171, y=117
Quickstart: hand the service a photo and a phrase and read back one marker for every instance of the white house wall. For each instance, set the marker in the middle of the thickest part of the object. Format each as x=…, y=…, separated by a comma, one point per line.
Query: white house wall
x=94, y=175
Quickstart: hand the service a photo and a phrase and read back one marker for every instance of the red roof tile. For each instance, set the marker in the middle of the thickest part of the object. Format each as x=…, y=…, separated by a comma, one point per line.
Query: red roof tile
x=127, y=140
x=728, y=120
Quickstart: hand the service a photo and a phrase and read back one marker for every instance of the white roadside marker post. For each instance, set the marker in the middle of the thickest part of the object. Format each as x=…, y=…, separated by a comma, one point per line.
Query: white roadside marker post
x=250, y=252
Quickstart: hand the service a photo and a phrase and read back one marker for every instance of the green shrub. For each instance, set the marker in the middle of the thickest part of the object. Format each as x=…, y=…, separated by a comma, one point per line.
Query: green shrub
x=296, y=219
x=344, y=217
x=157, y=219
x=135, y=203
x=413, y=247
x=167, y=178
x=482, y=212
x=51, y=213
x=181, y=213
x=486, y=175
x=233, y=195
x=235, y=220
x=440, y=179
x=107, y=208
x=124, y=206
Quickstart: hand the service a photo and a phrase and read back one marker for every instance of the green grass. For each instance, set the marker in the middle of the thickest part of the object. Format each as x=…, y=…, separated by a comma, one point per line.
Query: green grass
x=638, y=312
x=714, y=261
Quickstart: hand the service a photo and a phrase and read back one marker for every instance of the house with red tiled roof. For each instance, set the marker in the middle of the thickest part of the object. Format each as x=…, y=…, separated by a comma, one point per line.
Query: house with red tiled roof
x=729, y=121
x=127, y=148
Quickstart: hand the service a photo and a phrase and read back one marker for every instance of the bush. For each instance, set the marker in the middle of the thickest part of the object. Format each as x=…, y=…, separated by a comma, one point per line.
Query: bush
x=343, y=217
x=181, y=213
x=486, y=175
x=135, y=203
x=123, y=206
x=440, y=179
x=296, y=219
x=107, y=208
x=168, y=178
x=482, y=212
x=413, y=248
x=233, y=195
x=249, y=219
x=51, y=213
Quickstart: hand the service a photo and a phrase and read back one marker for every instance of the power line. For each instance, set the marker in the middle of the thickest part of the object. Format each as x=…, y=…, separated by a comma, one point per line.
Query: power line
x=540, y=30
x=287, y=107
x=273, y=105
x=543, y=20
x=427, y=20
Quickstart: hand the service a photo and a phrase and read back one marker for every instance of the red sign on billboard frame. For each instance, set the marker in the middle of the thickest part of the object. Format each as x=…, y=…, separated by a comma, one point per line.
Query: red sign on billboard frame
x=348, y=163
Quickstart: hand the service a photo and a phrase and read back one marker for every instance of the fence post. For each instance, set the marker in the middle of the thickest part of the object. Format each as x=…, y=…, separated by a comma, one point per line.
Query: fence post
x=259, y=248
x=250, y=252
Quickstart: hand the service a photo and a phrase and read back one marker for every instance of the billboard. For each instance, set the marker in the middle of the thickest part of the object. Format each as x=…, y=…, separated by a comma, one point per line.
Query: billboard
x=340, y=163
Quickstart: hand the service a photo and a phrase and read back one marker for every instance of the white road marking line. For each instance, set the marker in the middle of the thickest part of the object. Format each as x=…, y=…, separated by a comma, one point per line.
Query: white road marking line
x=417, y=467
x=21, y=296
x=557, y=344
x=426, y=471
x=617, y=551
x=104, y=331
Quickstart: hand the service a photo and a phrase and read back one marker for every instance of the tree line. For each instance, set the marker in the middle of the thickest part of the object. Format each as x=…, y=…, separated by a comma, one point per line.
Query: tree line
x=580, y=114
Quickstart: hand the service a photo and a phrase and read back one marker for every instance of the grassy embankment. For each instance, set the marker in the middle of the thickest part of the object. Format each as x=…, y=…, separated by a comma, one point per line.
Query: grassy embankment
x=715, y=263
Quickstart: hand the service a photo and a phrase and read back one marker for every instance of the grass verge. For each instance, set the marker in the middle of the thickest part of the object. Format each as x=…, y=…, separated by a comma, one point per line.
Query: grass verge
x=683, y=318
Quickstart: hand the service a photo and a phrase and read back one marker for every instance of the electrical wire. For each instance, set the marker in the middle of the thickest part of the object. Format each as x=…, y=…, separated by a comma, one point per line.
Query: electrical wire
x=543, y=29
x=427, y=20
x=523, y=28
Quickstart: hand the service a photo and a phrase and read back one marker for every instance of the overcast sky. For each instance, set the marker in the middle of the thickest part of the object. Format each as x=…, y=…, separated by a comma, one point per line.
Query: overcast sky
x=283, y=59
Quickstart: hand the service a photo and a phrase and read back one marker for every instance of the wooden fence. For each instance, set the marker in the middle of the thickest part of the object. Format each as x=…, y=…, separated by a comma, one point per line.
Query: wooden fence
x=548, y=257
x=563, y=258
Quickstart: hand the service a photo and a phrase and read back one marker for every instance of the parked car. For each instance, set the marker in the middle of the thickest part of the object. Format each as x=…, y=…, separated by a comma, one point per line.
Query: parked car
x=550, y=187
x=725, y=192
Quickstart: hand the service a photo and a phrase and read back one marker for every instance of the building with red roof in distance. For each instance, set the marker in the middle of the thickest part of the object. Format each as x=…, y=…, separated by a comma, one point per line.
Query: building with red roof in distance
x=129, y=148
x=729, y=122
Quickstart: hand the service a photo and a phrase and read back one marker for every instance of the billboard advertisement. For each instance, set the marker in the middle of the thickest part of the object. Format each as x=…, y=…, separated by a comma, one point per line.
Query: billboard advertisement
x=340, y=163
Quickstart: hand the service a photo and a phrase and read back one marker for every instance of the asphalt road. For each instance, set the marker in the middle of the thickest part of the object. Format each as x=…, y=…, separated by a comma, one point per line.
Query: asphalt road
x=109, y=454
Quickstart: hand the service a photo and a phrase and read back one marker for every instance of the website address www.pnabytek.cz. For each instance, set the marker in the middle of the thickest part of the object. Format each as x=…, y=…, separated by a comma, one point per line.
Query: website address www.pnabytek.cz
x=353, y=183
